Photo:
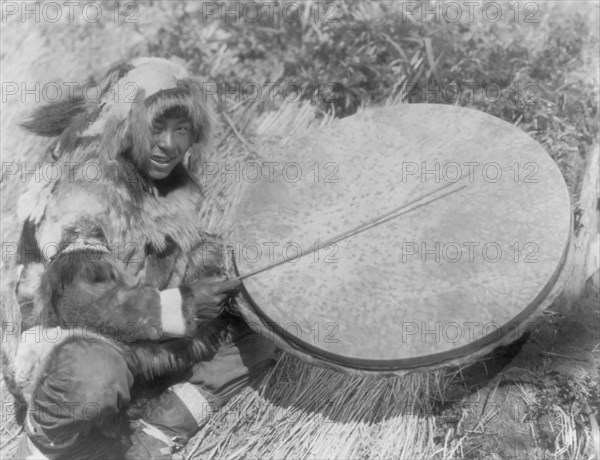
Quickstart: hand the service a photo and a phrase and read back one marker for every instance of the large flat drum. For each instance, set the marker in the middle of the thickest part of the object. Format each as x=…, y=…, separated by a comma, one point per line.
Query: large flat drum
x=441, y=284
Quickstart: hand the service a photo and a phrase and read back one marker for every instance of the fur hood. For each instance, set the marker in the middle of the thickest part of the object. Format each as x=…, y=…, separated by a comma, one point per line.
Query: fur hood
x=132, y=95
x=105, y=138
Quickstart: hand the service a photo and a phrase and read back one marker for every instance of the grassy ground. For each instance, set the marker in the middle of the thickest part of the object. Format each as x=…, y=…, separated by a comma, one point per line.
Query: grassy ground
x=536, y=399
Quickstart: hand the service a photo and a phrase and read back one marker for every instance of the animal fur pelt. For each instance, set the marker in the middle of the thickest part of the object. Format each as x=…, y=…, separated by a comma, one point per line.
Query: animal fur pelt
x=106, y=238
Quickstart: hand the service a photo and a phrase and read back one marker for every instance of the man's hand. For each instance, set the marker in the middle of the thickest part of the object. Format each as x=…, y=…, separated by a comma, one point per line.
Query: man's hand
x=204, y=300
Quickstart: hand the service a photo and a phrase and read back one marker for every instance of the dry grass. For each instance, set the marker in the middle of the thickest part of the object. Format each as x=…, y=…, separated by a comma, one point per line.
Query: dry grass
x=306, y=412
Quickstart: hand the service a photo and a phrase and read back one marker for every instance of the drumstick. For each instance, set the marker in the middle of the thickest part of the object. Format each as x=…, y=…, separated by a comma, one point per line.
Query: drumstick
x=397, y=212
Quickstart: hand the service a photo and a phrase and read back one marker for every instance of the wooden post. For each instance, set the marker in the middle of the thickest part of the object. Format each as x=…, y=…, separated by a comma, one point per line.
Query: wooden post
x=584, y=254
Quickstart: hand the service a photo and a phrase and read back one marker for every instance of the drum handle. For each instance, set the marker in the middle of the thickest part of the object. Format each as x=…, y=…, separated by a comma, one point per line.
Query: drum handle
x=396, y=212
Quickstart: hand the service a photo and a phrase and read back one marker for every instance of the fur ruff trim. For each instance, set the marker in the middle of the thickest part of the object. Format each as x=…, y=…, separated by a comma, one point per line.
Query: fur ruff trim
x=130, y=218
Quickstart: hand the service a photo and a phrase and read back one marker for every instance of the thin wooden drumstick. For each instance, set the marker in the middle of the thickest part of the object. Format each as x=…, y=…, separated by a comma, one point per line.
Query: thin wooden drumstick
x=361, y=227
x=383, y=220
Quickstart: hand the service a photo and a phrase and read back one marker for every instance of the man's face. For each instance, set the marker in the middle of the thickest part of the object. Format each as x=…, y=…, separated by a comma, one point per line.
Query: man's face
x=173, y=136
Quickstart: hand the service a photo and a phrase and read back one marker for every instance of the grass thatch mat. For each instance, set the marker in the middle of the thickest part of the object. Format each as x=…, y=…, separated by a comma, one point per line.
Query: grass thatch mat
x=539, y=405
x=305, y=412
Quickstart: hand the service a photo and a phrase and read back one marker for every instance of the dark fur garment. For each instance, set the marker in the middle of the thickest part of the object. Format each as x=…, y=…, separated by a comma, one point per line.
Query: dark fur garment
x=124, y=212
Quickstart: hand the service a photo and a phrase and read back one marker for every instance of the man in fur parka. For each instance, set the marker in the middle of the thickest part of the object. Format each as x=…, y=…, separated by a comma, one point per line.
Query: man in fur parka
x=115, y=293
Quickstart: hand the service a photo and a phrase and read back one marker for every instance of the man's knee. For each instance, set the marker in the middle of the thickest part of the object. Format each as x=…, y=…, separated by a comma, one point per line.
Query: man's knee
x=86, y=372
x=237, y=363
x=255, y=349
x=84, y=383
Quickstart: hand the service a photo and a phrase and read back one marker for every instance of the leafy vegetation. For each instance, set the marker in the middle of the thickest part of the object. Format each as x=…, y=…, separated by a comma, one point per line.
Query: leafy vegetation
x=355, y=53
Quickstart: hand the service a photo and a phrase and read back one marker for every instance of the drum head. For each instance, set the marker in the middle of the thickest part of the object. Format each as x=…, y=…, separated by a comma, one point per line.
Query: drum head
x=434, y=285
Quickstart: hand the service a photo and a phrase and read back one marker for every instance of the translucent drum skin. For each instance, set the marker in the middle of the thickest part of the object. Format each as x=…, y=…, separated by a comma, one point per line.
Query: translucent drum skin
x=438, y=286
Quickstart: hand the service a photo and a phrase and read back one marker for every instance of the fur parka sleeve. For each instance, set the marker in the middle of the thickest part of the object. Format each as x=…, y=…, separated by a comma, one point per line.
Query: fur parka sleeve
x=84, y=283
